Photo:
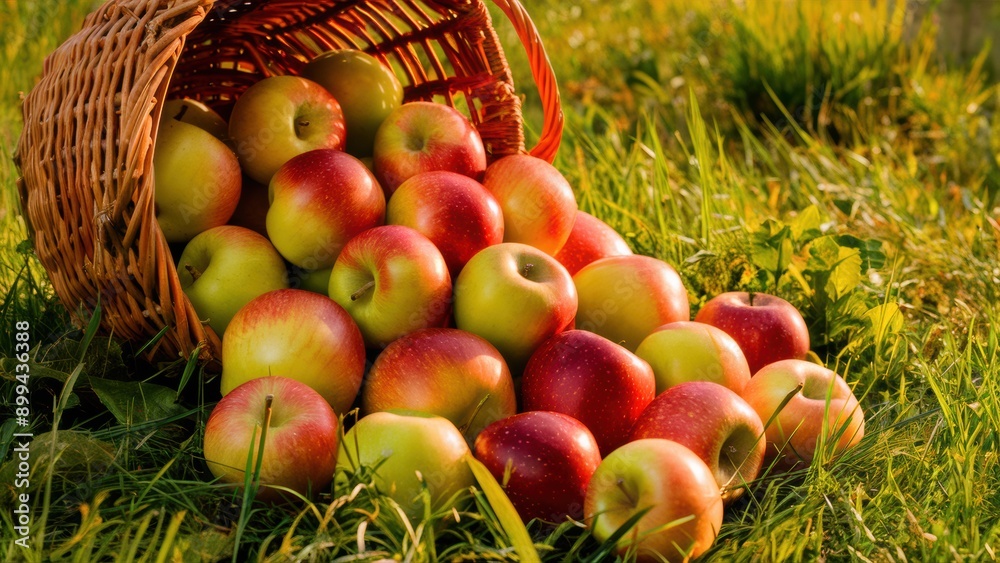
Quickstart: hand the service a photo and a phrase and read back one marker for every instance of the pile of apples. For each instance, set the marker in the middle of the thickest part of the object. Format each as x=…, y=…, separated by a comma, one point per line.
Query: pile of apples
x=355, y=251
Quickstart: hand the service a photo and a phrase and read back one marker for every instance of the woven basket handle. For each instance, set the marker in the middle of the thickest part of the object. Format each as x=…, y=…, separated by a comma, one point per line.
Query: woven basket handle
x=545, y=78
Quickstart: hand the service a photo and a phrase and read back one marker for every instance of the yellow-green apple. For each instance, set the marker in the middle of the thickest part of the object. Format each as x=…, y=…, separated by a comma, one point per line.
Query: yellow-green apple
x=408, y=450
x=321, y=199
x=367, y=90
x=297, y=334
x=424, y=136
x=683, y=501
x=442, y=371
x=592, y=379
x=225, y=267
x=516, y=297
x=689, y=351
x=299, y=437
x=591, y=239
x=251, y=211
x=822, y=406
x=393, y=281
x=544, y=460
x=197, y=180
x=279, y=117
x=625, y=298
x=766, y=327
x=317, y=281
x=538, y=204
x=713, y=422
x=198, y=114
x=454, y=211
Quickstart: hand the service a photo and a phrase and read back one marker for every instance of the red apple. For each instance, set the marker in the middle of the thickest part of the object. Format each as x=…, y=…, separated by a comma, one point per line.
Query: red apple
x=442, y=371
x=544, y=461
x=300, y=445
x=714, y=423
x=591, y=239
x=822, y=407
x=424, y=136
x=625, y=298
x=766, y=327
x=320, y=200
x=280, y=117
x=297, y=334
x=454, y=211
x=515, y=296
x=251, y=211
x=592, y=379
x=393, y=281
x=688, y=351
x=538, y=204
x=681, y=495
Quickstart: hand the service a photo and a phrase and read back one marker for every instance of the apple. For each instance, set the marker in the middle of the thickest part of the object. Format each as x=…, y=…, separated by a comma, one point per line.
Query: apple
x=424, y=136
x=225, y=267
x=590, y=239
x=317, y=281
x=516, y=297
x=297, y=334
x=320, y=200
x=592, y=379
x=408, y=450
x=713, y=422
x=766, y=327
x=538, y=204
x=625, y=298
x=689, y=351
x=822, y=407
x=393, y=281
x=366, y=89
x=198, y=114
x=685, y=506
x=544, y=460
x=280, y=117
x=197, y=180
x=454, y=211
x=251, y=211
x=442, y=371
x=299, y=436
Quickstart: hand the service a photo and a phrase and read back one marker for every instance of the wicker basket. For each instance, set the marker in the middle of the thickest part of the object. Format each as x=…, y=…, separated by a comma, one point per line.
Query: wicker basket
x=86, y=152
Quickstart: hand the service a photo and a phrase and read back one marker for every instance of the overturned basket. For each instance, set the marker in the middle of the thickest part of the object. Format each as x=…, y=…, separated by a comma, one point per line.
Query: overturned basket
x=90, y=124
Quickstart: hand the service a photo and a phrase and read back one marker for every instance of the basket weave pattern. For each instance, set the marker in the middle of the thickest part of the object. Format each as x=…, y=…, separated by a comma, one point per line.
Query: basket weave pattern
x=86, y=152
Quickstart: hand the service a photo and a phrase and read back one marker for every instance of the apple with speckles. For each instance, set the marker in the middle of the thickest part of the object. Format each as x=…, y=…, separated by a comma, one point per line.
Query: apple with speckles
x=766, y=327
x=689, y=351
x=713, y=422
x=592, y=379
x=590, y=239
x=544, y=461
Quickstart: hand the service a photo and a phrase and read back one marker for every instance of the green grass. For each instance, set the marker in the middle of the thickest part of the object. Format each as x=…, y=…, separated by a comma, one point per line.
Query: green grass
x=748, y=154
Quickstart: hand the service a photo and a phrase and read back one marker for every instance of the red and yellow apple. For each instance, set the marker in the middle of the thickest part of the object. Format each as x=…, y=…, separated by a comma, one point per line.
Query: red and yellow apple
x=590, y=239
x=688, y=351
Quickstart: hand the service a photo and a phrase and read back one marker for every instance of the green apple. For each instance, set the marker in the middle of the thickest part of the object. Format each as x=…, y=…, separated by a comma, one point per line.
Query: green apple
x=516, y=297
x=367, y=90
x=197, y=180
x=684, y=501
x=684, y=351
x=625, y=298
x=300, y=443
x=409, y=450
x=442, y=371
x=197, y=114
x=297, y=334
x=317, y=281
x=223, y=268
x=393, y=281
x=280, y=117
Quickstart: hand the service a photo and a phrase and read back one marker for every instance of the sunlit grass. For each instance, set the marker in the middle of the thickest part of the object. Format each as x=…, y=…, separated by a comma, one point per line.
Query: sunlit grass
x=702, y=141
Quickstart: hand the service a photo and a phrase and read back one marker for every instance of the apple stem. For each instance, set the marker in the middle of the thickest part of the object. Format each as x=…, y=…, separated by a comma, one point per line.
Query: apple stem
x=195, y=272
x=621, y=485
x=527, y=269
x=180, y=114
x=357, y=294
x=750, y=296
